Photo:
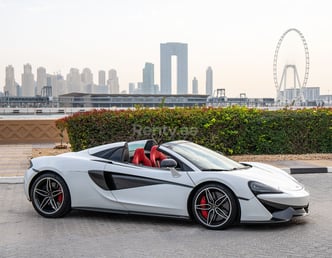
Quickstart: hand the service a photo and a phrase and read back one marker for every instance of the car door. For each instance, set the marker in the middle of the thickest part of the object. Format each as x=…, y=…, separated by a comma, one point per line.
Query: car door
x=150, y=190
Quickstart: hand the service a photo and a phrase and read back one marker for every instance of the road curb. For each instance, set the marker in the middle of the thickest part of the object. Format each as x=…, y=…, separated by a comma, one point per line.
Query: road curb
x=306, y=170
x=12, y=180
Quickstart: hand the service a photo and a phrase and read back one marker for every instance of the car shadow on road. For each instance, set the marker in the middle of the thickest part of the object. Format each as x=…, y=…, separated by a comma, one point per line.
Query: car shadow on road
x=130, y=218
x=147, y=220
x=295, y=222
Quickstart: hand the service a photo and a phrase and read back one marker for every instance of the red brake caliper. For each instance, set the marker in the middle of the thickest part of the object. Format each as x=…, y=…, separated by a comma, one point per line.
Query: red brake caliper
x=202, y=202
x=60, y=197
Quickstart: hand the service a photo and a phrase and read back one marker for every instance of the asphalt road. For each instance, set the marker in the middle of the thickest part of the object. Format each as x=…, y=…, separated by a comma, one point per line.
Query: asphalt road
x=23, y=233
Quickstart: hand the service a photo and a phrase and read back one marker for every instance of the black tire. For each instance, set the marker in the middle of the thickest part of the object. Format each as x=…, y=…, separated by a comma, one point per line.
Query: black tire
x=214, y=206
x=50, y=196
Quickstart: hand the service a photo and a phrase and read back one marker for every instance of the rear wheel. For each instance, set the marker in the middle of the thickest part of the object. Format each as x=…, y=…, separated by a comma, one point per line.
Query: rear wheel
x=50, y=196
x=214, y=206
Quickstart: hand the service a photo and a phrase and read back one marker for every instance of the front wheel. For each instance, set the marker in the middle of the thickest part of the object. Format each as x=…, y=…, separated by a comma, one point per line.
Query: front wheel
x=214, y=206
x=50, y=196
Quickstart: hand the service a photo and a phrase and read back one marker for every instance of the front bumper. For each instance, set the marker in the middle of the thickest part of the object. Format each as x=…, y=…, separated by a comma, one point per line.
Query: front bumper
x=274, y=208
x=285, y=212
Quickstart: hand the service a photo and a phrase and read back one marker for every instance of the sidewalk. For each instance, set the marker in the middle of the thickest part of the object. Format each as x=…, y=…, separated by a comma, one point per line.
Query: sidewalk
x=14, y=161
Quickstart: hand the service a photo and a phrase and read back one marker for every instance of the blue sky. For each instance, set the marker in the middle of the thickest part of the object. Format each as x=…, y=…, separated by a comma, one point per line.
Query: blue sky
x=236, y=38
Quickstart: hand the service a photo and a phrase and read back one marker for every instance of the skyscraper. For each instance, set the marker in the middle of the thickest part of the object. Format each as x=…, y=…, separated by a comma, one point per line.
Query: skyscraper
x=131, y=88
x=209, y=81
x=86, y=76
x=101, y=87
x=10, y=88
x=28, y=82
x=59, y=86
x=87, y=80
x=74, y=80
x=167, y=50
x=148, y=79
x=41, y=80
x=113, y=82
x=195, y=86
x=101, y=78
x=48, y=87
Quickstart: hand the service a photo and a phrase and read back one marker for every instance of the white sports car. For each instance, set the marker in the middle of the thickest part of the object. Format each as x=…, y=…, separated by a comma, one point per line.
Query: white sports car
x=175, y=179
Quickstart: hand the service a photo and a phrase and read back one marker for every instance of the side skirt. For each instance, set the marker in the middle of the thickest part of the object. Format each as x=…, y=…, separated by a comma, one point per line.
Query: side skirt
x=132, y=213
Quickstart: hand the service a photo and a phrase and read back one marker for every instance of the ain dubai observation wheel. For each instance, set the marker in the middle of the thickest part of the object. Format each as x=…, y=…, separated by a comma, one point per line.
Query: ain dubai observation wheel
x=278, y=84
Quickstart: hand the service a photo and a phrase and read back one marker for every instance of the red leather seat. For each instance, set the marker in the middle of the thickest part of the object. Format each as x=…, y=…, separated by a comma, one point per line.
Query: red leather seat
x=156, y=156
x=140, y=158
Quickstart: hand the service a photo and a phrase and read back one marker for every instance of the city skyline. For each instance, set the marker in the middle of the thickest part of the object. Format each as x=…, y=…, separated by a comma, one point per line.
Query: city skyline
x=236, y=38
x=172, y=81
x=83, y=82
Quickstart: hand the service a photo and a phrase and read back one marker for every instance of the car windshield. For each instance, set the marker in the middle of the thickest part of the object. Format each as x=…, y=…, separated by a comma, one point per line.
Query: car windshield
x=204, y=158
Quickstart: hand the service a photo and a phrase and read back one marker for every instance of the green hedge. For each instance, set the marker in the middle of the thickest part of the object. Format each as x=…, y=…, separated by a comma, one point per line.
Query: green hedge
x=232, y=130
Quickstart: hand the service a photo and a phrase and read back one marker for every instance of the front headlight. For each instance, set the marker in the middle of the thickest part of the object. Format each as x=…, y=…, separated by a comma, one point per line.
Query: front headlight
x=260, y=188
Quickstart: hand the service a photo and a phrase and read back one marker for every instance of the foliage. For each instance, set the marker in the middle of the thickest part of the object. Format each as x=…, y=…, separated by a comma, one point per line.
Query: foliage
x=231, y=130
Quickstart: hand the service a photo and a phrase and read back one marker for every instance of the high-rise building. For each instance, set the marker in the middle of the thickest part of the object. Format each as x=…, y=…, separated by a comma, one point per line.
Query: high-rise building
x=195, y=86
x=113, y=82
x=86, y=76
x=131, y=88
x=209, y=81
x=59, y=86
x=167, y=50
x=10, y=88
x=148, y=79
x=47, y=89
x=139, y=88
x=41, y=80
x=101, y=87
x=87, y=80
x=28, y=82
x=101, y=78
x=74, y=80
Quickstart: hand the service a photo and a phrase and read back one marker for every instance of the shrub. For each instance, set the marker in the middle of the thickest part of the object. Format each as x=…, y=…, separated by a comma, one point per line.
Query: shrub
x=231, y=130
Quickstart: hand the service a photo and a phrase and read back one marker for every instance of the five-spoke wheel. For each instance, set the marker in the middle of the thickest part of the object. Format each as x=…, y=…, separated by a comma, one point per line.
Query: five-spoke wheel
x=50, y=196
x=214, y=206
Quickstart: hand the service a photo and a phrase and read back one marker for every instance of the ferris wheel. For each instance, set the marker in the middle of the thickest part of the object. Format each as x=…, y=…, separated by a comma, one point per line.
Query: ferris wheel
x=278, y=84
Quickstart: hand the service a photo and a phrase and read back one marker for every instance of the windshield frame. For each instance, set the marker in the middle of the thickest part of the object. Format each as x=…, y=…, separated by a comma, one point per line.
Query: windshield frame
x=203, y=158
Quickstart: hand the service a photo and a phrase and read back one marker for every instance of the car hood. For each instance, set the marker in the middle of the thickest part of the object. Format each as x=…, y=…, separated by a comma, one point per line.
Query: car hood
x=271, y=176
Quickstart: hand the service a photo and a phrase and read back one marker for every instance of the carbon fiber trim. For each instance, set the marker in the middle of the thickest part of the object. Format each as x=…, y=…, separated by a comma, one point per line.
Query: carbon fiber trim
x=129, y=212
x=116, y=181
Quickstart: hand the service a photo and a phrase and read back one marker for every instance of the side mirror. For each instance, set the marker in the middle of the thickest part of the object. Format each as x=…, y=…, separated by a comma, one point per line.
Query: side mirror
x=168, y=163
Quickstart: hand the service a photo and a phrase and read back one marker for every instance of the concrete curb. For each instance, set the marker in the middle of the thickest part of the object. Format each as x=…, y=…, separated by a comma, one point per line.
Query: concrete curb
x=12, y=180
x=292, y=171
x=306, y=170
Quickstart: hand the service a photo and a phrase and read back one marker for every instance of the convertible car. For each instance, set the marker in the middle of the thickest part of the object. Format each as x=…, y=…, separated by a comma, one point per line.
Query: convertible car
x=176, y=179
